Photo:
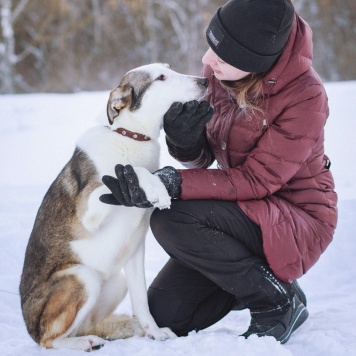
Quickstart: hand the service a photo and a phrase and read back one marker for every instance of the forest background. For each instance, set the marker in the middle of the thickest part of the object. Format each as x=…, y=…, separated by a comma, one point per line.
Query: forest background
x=84, y=45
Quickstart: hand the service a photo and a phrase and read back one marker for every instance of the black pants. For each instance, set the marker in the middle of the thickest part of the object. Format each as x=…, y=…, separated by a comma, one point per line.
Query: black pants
x=216, y=260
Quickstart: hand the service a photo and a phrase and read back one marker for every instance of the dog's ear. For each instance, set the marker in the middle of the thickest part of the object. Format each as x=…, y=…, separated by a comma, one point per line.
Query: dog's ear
x=119, y=98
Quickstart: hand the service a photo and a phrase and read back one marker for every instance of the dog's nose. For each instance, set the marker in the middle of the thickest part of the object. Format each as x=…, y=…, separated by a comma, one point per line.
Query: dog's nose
x=203, y=82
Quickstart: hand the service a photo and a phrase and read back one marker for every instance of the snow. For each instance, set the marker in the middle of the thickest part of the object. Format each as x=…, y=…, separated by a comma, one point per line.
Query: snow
x=37, y=137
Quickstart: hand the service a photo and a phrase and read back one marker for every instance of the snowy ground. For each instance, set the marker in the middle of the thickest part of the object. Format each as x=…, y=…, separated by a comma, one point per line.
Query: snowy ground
x=37, y=136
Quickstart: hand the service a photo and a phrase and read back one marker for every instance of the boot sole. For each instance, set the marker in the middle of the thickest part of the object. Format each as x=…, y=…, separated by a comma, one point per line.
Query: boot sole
x=300, y=316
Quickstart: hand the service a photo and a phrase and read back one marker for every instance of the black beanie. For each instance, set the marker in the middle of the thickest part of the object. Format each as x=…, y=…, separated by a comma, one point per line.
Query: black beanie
x=250, y=34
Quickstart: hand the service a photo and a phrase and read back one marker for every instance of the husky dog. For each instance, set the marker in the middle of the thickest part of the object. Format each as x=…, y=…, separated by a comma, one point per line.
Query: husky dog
x=72, y=278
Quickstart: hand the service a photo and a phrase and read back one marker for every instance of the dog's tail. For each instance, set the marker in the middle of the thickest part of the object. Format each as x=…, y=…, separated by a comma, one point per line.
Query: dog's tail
x=115, y=327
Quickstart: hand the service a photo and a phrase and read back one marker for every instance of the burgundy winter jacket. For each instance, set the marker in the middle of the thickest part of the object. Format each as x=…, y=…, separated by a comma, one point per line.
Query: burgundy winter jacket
x=275, y=168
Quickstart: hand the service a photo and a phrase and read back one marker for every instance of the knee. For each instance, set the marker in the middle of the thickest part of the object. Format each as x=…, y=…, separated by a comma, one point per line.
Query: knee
x=176, y=229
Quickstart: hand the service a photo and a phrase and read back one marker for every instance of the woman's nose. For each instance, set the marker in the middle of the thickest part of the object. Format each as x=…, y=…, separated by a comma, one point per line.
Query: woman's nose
x=208, y=57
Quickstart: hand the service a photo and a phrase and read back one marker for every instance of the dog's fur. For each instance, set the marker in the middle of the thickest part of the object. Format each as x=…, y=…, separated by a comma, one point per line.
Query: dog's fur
x=72, y=277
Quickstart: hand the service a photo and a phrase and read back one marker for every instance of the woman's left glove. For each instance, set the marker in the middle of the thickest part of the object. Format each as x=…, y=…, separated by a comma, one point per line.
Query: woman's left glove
x=171, y=179
x=126, y=190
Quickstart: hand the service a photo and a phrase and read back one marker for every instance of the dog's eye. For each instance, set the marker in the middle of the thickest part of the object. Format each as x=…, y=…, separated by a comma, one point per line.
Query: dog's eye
x=161, y=77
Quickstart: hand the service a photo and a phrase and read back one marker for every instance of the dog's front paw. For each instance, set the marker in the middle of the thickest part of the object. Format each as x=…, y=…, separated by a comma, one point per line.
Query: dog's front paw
x=161, y=334
x=161, y=198
x=156, y=192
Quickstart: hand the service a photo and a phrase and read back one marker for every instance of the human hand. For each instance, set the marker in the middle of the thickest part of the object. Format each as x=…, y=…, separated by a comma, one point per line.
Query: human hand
x=184, y=124
x=126, y=189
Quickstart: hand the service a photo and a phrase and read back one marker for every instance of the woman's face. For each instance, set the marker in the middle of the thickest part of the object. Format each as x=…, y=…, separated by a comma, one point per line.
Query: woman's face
x=222, y=70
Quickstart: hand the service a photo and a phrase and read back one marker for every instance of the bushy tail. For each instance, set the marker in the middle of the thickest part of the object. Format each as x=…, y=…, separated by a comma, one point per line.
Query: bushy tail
x=115, y=327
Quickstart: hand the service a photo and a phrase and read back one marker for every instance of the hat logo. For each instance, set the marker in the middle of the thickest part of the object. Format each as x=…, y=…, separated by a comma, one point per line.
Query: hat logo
x=213, y=38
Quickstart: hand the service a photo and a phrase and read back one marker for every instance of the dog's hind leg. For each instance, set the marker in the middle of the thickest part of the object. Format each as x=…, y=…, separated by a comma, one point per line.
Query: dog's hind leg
x=112, y=327
x=74, y=292
x=84, y=343
x=112, y=292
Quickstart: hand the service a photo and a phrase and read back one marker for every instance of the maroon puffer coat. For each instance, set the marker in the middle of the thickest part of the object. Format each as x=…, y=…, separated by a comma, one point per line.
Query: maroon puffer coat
x=275, y=168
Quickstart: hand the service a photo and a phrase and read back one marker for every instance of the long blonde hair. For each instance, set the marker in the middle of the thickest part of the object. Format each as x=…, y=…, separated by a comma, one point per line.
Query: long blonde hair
x=248, y=93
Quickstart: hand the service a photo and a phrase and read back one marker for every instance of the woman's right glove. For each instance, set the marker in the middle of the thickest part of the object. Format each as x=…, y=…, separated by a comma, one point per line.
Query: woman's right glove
x=184, y=125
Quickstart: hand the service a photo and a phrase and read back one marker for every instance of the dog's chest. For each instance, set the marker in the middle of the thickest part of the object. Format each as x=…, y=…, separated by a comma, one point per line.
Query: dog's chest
x=106, y=149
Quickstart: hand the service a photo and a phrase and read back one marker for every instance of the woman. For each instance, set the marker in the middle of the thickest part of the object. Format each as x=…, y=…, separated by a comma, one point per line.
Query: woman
x=240, y=235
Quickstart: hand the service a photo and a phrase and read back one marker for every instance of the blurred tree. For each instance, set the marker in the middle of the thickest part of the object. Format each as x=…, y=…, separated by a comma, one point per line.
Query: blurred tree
x=8, y=57
x=87, y=45
x=66, y=45
x=334, y=35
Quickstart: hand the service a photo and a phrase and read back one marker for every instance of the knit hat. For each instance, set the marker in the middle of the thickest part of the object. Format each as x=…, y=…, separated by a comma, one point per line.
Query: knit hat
x=250, y=34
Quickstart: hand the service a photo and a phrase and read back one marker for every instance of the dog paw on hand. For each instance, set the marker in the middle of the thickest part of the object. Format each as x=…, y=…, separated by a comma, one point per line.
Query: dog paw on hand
x=165, y=205
x=156, y=192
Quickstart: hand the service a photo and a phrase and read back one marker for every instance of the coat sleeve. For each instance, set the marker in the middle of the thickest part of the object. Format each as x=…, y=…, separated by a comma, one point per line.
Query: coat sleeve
x=283, y=148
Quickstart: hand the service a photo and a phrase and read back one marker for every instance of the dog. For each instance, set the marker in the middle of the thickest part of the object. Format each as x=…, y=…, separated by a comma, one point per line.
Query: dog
x=72, y=278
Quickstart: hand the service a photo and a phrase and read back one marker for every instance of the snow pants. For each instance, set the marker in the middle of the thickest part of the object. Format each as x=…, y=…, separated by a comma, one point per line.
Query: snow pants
x=216, y=262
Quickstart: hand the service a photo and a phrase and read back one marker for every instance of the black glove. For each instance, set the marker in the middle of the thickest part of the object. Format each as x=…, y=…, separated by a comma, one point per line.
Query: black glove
x=171, y=179
x=184, y=124
x=126, y=190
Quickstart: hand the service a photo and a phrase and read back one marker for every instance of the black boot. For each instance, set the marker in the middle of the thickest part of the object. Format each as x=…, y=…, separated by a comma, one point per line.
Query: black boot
x=296, y=289
x=281, y=326
x=299, y=292
x=275, y=307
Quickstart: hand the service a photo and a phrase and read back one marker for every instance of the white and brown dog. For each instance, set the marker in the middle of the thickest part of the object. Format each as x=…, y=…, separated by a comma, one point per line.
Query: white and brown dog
x=72, y=278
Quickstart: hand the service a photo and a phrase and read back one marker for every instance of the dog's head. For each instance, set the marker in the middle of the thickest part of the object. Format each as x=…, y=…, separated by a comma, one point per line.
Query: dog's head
x=150, y=90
